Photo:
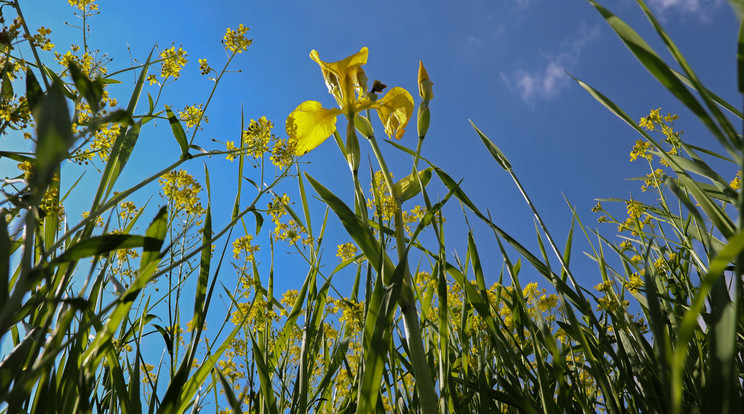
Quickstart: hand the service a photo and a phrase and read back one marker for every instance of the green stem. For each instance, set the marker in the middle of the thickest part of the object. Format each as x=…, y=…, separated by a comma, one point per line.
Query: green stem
x=407, y=302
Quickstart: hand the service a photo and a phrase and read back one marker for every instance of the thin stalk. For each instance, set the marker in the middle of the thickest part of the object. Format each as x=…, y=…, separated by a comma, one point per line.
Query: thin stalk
x=424, y=383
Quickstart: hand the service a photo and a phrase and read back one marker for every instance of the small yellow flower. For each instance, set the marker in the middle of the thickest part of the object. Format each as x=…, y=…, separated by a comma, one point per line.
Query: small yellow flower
x=230, y=147
x=204, y=67
x=736, y=182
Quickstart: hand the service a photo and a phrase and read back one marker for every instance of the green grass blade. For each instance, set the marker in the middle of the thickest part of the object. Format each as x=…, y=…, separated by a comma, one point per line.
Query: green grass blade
x=659, y=69
x=178, y=132
x=148, y=262
x=492, y=148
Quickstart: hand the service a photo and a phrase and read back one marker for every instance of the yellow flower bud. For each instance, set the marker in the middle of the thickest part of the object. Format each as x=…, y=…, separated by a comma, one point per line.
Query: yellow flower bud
x=425, y=85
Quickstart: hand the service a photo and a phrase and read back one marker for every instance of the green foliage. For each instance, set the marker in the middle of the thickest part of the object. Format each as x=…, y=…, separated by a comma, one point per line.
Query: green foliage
x=80, y=302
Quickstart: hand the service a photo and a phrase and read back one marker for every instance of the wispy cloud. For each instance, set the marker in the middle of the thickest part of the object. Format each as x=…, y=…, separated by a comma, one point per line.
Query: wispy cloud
x=699, y=8
x=545, y=83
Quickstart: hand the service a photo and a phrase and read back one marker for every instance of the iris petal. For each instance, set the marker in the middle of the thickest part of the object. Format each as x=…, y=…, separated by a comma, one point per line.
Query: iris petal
x=311, y=124
x=395, y=110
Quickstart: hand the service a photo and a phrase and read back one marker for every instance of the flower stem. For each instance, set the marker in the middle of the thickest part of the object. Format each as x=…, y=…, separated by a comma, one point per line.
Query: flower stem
x=407, y=302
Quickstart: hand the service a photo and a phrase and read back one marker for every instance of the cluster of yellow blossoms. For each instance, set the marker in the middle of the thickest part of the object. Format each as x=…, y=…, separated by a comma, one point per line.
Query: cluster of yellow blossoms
x=258, y=139
x=235, y=40
x=182, y=190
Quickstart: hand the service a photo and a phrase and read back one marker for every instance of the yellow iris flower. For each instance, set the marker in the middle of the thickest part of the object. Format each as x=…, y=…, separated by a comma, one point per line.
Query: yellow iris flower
x=310, y=124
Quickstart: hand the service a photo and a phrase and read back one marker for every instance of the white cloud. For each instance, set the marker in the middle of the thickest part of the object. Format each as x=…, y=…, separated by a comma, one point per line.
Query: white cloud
x=545, y=83
x=699, y=8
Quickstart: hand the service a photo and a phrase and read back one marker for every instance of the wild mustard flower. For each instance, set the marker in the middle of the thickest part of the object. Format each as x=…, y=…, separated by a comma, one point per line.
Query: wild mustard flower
x=640, y=150
x=634, y=283
x=235, y=40
x=346, y=251
x=86, y=6
x=654, y=179
x=192, y=115
x=173, y=61
x=204, y=67
x=735, y=184
x=183, y=190
x=230, y=147
x=625, y=246
x=283, y=153
x=257, y=137
x=41, y=39
x=25, y=167
x=310, y=124
x=242, y=247
x=383, y=203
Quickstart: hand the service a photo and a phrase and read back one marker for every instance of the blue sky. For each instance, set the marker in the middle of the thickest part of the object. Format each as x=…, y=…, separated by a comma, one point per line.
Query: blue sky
x=500, y=63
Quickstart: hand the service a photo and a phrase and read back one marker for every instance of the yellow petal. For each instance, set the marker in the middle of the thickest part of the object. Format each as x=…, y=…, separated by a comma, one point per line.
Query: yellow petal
x=395, y=110
x=344, y=76
x=310, y=124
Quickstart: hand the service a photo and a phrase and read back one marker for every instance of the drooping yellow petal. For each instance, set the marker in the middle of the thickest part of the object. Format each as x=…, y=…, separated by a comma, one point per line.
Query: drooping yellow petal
x=395, y=110
x=311, y=124
x=345, y=77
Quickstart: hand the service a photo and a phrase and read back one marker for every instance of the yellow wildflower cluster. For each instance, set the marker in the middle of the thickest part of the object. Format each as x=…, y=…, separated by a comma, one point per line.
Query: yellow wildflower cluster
x=192, y=115
x=172, y=62
x=127, y=210
x=41, y=39
x=204, y=67
x=290, y=231
x=283, y=153
x=26, y=167
x=258, y=139
x=182, y=190
x=86, y=6
x=288, y=300
x=103, y=140
x=605, y=286
x=653, y=179
x=235, y=40
x=242, y=247
x=259, y=314
x=640, y=150
x=352, y=314
x=736, y=182
x=346, y=251
x=10, y=33
x=51, y=205
x=99, y=219
x=89, y=65
x=382, y=202
x=625, y=246
x=655, y=122
x=635, y=221
x=634, y=283
x=611, y=303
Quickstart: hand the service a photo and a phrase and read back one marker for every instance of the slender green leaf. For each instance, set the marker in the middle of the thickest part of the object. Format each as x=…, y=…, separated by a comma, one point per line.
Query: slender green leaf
x=178, y=132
